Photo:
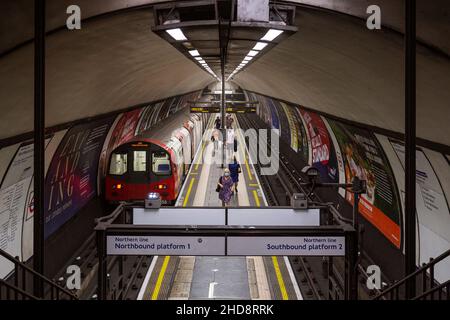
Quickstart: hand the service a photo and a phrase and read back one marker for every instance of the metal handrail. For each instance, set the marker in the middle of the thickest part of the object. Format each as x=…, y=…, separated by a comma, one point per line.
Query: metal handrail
x=16, y=290
x=20, y=264
x=420, y=270
x=445, y=285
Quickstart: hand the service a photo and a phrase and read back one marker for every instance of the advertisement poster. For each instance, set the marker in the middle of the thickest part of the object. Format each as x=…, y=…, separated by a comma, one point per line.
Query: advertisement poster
x=275, y=124
x=175, y=106
x=125, y=128
x=364, y=158
x=71, y=178
x=14, y=203
x=145, y=119
x=154, y=116
x=430, y=197
x=323, y=156
x=263, y=109
x=432, y=210
x=294, y=127
x=164, y=111
x=284, y=132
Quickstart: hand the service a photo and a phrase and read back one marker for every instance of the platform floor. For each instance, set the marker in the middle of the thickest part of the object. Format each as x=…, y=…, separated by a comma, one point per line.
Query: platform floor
x=248, y=278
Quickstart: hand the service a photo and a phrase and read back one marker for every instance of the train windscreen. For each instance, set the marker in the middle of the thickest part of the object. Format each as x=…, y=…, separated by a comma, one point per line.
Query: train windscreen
x=118, y=164
x=139, y=161
x=161, y=163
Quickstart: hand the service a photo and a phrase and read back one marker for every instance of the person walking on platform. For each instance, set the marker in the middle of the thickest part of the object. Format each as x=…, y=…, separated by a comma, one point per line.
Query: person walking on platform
x=229, y=121
x=225, y=188
x=217, y=123
x=235, y=169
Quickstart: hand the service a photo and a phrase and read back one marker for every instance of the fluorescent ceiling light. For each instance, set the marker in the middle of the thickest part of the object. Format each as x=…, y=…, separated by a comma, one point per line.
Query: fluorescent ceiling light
x=198, y=58
x=194, y=53
x=259, y=46
x=220, y=92
x=177, y=34
x=252, y=53
x=244, y=63
x=247, y=58
x=271, y=34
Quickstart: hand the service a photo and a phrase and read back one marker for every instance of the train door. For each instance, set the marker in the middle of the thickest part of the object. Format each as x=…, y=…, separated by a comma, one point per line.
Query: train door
x=139, y=171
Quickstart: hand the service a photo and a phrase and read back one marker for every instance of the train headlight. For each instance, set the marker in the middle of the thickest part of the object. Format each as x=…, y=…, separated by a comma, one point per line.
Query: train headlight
x=153, y=201
x=161, y=186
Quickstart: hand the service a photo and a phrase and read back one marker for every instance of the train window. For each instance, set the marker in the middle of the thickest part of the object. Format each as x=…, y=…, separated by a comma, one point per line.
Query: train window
x=139, y=161
x=118, y=164
x=161, y=163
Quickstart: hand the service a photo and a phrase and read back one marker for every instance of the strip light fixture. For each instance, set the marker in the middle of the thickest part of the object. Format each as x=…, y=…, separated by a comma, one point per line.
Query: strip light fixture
x=177, y=34
x=270, y=35
x=194, y=53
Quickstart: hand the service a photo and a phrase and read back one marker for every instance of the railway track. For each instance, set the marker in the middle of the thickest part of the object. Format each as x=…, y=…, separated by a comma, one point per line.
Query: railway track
x=290, y=178
x=278, y=190
x=125, y=279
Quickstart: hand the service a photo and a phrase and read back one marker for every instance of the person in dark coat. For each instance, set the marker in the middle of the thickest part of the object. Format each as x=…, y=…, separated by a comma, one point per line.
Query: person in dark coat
x=217, y=123
x=235, y=169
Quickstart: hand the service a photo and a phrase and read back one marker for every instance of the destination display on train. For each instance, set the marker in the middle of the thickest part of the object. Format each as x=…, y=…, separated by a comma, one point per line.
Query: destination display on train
x=286, y=246
x=165, y=245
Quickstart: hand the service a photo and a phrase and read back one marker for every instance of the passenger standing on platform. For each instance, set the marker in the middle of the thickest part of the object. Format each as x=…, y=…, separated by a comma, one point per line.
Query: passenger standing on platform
x=217, y=123
x=225, y=187
x=235, y=169
x=230, y=143
x=215, y=140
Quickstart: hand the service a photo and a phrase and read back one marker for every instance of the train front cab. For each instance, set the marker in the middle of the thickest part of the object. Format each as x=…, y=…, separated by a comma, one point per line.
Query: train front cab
x=138, y=168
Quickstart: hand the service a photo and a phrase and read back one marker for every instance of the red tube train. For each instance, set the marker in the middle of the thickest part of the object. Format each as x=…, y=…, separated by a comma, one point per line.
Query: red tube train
x=156, y=160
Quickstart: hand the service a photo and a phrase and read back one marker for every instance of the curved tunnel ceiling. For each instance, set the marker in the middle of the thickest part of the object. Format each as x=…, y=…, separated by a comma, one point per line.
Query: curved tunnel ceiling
x=112, y=63
x=333, y=64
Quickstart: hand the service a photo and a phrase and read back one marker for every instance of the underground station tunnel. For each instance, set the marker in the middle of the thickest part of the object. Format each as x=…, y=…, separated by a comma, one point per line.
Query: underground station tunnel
x=224, y=150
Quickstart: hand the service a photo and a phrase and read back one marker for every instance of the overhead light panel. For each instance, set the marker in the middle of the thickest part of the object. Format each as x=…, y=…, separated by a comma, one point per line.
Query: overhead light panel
x=248, y=58
x=259, y=46
x=198, y=58
x=271, y=35
x=252, y=53
x=194, y=53
x=177, y=34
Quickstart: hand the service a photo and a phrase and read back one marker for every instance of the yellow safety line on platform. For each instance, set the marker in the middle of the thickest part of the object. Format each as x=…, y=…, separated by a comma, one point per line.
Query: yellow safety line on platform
x=160, y=278
x=255, y=195
x=253, y=185
x=200, y=156
x=188, y=193
x=284, y=294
